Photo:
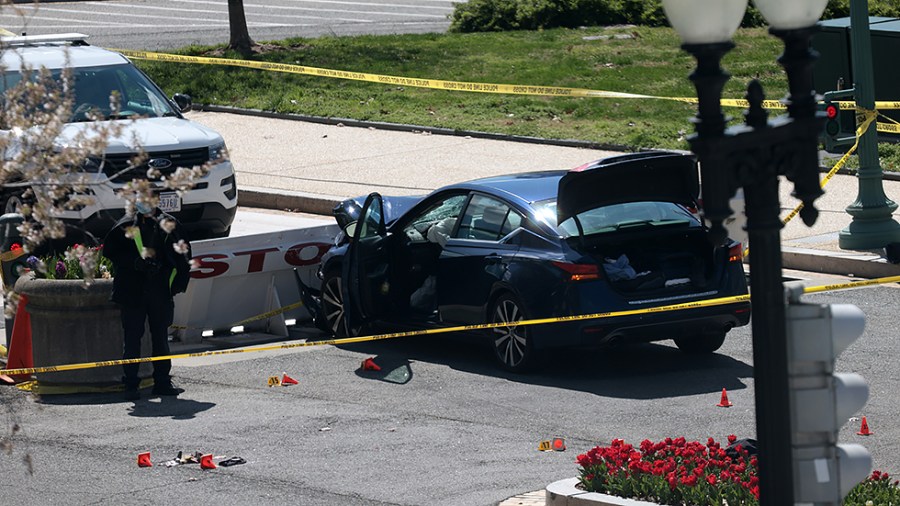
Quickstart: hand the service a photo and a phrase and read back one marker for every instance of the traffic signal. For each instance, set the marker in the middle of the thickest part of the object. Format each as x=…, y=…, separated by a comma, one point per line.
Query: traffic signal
x=822, y=401
x=840, y=129
x=832, y=119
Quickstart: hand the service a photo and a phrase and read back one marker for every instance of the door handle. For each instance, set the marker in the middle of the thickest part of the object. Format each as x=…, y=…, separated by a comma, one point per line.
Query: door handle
x=493, y=258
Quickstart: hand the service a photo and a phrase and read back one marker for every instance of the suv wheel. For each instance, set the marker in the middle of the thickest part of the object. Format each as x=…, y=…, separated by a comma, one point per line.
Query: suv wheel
x=11, y=200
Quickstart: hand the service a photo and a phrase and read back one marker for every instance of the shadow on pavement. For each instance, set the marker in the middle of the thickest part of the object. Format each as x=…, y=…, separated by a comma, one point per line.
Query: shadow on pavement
x=168, y=407
x=638, y=371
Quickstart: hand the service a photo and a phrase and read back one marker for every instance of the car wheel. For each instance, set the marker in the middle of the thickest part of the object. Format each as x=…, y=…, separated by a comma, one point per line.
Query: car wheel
x=333, y=307
x=11, y=201
x=219, y=235
x=704, y=343
x=512, y=343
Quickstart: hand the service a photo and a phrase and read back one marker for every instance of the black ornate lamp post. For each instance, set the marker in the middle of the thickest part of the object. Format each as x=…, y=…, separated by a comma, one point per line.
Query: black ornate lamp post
x=752, y=156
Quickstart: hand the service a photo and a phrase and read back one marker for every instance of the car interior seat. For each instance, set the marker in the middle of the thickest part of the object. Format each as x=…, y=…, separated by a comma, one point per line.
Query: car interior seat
x=488, y=226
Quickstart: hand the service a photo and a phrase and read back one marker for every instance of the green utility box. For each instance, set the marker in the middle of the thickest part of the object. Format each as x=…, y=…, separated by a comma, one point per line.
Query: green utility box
x=834, y=69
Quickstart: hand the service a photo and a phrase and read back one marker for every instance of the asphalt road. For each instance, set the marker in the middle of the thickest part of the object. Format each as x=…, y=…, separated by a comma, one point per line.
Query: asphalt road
x=453, y=430
x=168, y=24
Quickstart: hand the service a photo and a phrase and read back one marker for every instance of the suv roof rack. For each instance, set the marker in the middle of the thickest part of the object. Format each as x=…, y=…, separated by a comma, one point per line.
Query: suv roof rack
x=75, y=39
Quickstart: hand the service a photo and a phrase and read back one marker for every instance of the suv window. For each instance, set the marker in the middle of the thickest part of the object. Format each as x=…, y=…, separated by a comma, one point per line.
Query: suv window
x=94, y=87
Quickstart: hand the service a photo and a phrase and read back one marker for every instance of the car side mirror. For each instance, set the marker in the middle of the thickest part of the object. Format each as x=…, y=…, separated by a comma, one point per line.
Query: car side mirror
x=183, y=101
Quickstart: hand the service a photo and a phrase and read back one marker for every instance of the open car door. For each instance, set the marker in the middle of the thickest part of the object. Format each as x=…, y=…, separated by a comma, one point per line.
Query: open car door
x=366, y=271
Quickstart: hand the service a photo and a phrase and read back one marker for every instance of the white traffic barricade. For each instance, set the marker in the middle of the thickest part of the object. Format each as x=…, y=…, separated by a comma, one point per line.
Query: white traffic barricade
x=238, y=278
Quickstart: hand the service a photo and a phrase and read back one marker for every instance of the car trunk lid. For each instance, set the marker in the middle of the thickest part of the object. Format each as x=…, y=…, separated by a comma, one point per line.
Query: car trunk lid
x=650, y=176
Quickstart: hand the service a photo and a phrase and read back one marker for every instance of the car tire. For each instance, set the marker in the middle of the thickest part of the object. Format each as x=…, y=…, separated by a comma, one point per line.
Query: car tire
x=512, y=344
x=11, y=201
x=220, y=235
x=333, y=303
x=703, y=343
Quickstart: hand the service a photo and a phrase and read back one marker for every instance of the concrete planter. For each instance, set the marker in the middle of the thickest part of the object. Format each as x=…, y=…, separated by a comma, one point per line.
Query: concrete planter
x=565, y=493
x=72, y=322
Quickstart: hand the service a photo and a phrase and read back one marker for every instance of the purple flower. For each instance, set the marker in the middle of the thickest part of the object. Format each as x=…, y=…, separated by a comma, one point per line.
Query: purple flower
x=32, y=262
x=60, y=270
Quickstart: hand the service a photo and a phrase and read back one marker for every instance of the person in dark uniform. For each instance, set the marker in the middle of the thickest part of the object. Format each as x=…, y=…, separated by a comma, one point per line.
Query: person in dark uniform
x=150, y=258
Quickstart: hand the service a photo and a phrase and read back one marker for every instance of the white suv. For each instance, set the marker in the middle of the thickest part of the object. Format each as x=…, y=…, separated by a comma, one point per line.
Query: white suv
x=166, y=137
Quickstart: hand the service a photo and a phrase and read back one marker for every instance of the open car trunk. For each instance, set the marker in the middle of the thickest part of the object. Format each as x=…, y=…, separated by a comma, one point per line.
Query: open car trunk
x=680, y=260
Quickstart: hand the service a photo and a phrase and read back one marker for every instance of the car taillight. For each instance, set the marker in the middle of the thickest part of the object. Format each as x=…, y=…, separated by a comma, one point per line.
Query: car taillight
x=579, y=272
x=736, y=253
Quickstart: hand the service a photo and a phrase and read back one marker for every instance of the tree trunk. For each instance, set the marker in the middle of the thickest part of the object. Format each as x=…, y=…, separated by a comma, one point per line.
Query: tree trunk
x=240, y=36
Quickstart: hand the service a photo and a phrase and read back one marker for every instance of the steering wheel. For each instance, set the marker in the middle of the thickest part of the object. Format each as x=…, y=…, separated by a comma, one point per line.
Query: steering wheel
x=81, y=112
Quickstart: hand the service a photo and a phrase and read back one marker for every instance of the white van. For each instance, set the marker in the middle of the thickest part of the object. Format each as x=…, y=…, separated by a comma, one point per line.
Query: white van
x=164, y=135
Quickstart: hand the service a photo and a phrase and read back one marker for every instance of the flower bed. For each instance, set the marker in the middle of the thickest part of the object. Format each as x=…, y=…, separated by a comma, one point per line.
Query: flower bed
x=678, y=472
x=78, y=262
x=673, y=471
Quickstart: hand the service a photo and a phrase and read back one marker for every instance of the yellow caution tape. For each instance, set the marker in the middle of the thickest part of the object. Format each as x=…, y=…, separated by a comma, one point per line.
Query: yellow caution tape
x=851, y=284
x=444, y=330
x=860, y=130
x=351, y=340
x=889, y=128
x=416, y=82
x=438, y=84
x=263, y=316
x=881, y=105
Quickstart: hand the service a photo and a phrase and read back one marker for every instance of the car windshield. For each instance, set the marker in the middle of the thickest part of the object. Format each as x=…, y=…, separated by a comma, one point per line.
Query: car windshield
x=617, y=217
x=95, y=88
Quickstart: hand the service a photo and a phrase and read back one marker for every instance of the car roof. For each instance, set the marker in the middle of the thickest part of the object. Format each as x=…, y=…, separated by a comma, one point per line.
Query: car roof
x=528, y=186
x=55, y=52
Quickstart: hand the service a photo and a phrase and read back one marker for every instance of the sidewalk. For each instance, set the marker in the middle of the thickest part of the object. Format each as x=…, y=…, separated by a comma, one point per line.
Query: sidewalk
x=309, y=167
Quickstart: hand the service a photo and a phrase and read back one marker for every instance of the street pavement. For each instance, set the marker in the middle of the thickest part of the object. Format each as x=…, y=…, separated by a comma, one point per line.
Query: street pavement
x=306, y=167
x=309, y=166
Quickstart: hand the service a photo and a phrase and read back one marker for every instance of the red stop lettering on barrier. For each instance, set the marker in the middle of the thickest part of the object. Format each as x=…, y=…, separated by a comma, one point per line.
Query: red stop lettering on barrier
x=294, y=255
x=257, y=258
x=299, y=255
x=205, y=267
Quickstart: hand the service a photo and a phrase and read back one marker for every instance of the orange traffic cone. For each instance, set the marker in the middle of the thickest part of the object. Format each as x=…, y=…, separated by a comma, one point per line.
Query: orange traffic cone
x=724, y=403
x=287, y=380
x=144, y=460
x=370, y=365
x=559, y=444
x=20, y=356
x=864, y=428
x=206, y=462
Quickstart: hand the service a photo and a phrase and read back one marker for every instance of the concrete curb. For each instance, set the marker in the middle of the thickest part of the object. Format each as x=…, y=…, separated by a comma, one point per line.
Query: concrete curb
x=870, y=264
x=267, y=198
x=565, y=493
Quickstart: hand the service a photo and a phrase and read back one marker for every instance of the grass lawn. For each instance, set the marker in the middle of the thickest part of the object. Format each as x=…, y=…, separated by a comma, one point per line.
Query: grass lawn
x=638, y=60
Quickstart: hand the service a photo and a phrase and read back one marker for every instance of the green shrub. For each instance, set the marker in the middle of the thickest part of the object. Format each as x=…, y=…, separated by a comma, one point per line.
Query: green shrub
x=500, y=15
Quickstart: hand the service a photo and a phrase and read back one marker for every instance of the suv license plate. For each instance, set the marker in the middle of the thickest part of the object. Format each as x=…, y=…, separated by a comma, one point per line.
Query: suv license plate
x=169, y=202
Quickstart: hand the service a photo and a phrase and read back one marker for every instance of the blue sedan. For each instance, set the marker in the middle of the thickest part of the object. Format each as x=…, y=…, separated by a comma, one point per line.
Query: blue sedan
x=621, y=233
